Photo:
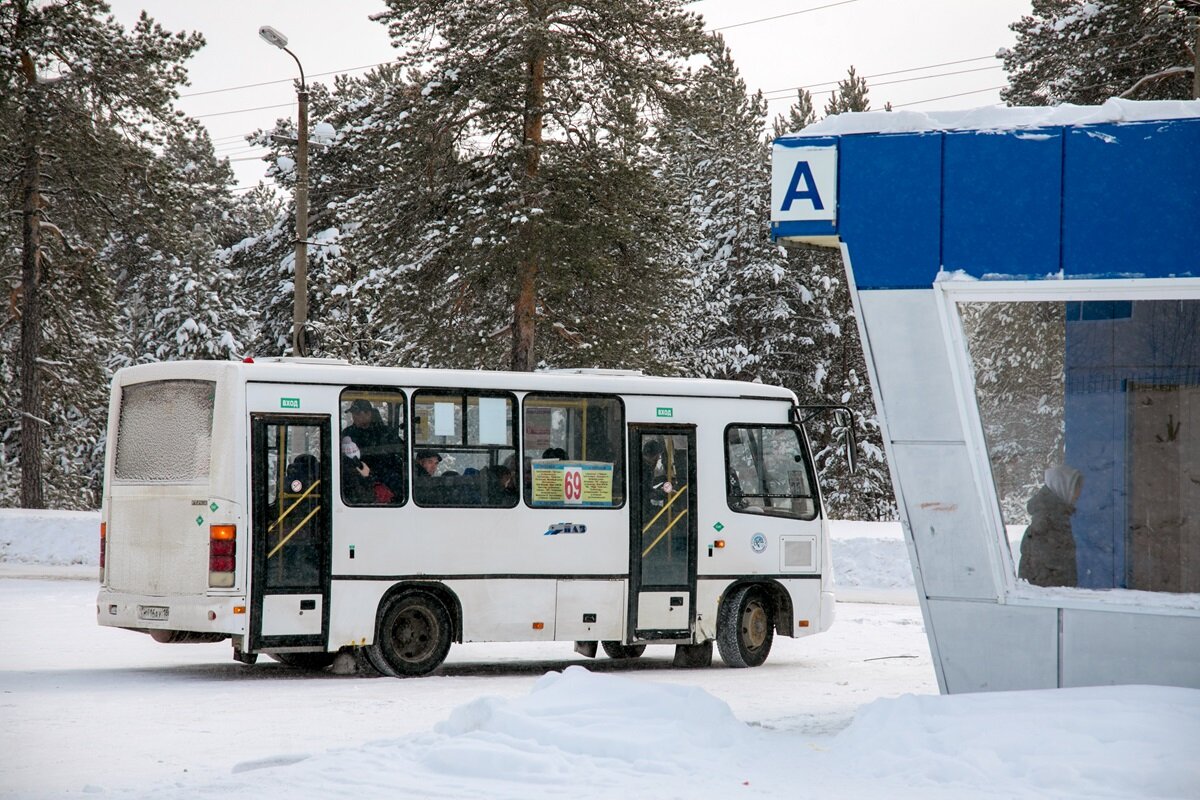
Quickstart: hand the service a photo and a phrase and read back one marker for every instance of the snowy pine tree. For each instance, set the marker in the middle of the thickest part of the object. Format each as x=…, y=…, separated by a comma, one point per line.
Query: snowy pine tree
x=749, y=309
x=850, y=95
x=179, y=301
x=1086, y=51
x=801, y=114
x=80, y=118
x=551, y=227
x=829, y=364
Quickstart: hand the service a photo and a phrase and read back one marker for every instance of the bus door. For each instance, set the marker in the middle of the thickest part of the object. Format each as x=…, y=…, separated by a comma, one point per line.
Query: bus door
x=290, y=495
x=662, y=570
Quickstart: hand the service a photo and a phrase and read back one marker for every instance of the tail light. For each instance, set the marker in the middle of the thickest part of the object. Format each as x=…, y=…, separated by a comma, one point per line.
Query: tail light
x=103, y=547
x=222, y=555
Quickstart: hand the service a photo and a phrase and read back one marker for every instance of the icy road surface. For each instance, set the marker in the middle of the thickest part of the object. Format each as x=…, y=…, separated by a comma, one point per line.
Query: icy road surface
x=84, y=706
x=92, y=712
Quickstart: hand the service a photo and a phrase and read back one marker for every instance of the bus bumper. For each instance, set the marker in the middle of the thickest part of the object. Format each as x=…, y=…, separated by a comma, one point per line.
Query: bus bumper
x=828, y=604
x=147, y=613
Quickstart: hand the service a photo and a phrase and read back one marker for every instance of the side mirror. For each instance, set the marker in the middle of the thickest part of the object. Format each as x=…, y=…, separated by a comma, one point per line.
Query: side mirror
x=843, y=417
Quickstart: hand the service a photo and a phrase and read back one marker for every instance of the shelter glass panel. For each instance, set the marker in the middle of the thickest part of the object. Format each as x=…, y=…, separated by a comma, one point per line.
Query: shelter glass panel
x=1091, y=415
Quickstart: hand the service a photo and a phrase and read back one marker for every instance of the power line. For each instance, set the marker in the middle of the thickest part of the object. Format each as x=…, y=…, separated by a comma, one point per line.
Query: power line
x=885, y=74
x=948, y=96
x=899, y=80
x=283, y=80
x=345, y=70
x=243, y=110
x=781, y=16
x=939, y=75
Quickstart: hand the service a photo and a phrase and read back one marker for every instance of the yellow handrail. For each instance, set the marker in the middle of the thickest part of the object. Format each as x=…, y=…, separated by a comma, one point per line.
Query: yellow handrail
x=667, y=530
x=287, y=538
x=293, y=505
x=663, y=510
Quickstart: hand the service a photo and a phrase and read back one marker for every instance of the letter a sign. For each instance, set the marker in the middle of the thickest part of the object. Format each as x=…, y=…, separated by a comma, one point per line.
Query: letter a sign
x=803, y=182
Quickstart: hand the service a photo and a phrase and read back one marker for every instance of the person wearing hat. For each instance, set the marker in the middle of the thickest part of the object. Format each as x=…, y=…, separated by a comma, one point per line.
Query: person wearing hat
x=371, y=458
x=428, y=487
x=427, y=462
x=1048, y=546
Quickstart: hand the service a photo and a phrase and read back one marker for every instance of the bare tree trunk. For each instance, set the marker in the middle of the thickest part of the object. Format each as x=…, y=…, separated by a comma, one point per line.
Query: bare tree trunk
x=525, y=307
x=31, y=312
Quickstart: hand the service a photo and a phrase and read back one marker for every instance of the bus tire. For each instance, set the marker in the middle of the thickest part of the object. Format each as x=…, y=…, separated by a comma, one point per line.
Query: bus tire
x=309, y=661
x=745, y=628
x=618, y=650
x=413, y=637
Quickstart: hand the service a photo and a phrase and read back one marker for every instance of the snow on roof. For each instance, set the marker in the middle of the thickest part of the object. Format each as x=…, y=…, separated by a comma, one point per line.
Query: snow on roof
x=988, y=118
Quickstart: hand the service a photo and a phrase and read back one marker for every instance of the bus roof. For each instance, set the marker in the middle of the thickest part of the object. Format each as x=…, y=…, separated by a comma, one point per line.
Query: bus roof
x=331, y=371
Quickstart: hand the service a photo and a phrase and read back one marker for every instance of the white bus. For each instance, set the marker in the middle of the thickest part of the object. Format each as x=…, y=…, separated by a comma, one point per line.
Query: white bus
x=303, y=507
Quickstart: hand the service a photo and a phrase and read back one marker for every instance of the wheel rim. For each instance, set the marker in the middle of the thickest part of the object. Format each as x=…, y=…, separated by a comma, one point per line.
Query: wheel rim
x=755, y=625
x=414, y=634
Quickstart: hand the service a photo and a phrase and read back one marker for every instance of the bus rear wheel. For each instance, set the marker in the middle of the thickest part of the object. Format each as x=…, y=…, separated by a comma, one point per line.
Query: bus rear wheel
x=413, y=637
x=619, y=650
x=745, y=628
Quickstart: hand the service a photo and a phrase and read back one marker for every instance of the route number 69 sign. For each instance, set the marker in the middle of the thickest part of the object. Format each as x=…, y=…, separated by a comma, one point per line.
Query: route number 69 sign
x=572, y=486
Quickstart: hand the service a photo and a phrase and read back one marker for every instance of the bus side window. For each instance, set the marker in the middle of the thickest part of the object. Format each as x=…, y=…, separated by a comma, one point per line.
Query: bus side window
x=468, y=439
x=584, y=433
x=372, y=447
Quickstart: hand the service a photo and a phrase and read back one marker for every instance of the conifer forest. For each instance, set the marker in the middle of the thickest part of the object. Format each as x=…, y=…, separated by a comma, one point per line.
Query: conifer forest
x=549, y=183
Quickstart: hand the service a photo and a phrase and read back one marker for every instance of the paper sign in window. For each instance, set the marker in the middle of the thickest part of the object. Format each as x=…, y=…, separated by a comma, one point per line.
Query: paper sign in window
x=443, y=419
x=572, y=483
x=493, y=422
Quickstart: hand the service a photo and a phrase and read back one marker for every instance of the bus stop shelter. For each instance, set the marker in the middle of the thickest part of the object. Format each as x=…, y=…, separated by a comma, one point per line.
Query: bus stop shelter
x=1026, y=283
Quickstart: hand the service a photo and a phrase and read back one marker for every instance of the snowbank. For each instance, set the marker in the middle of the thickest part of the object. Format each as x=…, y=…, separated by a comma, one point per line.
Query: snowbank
x=54, y=538
x=585, y=735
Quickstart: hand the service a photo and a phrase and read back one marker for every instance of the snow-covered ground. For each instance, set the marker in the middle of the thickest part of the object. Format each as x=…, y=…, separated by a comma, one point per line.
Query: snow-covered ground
x=850, y=713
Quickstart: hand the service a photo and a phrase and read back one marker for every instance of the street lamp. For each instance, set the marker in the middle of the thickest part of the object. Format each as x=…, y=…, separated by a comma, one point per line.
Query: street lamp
x=300, y=297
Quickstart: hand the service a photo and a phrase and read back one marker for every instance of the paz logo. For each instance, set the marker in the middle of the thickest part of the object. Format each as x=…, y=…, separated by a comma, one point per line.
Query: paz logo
x=565, y=527
x=758, y=543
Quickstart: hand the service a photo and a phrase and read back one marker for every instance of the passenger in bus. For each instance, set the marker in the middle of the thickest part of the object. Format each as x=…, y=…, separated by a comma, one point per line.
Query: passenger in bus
x=294, y=539
x=302, y=473
x=654, y=486
x=556, y=453
x=372, y=464
x=502, y=486
x=427, y=463
x=427, y=486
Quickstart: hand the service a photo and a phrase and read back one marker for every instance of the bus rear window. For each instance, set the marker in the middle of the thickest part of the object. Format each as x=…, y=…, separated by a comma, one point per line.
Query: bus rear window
x=164, y=431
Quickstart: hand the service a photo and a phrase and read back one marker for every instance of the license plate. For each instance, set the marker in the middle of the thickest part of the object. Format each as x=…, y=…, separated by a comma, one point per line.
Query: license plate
x=154, y=612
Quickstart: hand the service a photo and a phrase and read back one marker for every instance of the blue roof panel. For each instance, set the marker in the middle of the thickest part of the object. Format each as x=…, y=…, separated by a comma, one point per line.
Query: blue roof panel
x=1002, y=197
x=889, y=208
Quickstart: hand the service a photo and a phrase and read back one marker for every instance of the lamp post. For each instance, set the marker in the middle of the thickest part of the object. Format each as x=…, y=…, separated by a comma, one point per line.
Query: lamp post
x=300, y=297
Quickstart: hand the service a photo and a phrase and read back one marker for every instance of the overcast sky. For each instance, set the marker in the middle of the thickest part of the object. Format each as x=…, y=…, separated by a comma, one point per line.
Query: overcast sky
x=787, y=49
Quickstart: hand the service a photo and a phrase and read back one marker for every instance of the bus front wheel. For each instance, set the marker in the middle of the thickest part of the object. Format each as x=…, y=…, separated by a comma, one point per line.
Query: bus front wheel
x=619, y=650
x=413, y=637
x=745, y=628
